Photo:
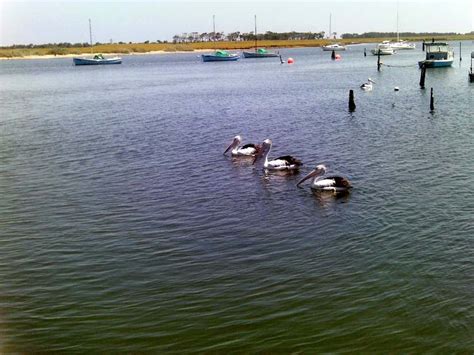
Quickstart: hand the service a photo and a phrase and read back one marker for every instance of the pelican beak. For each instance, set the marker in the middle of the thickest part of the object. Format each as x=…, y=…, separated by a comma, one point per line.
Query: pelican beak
x=228, y=148
x=232, y=145
x=313, y=173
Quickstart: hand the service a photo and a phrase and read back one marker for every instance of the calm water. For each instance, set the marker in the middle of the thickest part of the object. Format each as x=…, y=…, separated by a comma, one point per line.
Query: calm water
x=124, y=228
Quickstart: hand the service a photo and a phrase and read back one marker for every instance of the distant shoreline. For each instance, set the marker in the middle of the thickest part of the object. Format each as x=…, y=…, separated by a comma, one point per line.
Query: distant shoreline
x=123, y=49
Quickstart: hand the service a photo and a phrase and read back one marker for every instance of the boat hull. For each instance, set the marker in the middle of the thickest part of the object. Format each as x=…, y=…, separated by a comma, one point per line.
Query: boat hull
x=90, y=61
x=216, y=58
x=336, y=49
x=259, y=55
x=383, y=52
x=471, y=77
x=435, y=63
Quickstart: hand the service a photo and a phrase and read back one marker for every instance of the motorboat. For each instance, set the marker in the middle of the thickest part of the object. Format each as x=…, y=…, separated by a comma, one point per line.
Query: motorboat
x=383, y=49
x=438, y=54
x=471, y=74
x=334, y=47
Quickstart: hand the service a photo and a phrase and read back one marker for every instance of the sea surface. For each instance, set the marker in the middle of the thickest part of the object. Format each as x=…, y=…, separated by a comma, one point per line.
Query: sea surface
x=124, y=228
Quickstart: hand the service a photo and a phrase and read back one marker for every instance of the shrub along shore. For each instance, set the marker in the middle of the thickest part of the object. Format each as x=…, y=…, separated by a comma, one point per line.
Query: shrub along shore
x=143, y=48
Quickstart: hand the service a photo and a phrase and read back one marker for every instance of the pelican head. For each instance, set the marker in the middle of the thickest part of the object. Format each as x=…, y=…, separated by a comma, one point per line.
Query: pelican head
x=317, y=171
x=263, y=150
x=235, y=143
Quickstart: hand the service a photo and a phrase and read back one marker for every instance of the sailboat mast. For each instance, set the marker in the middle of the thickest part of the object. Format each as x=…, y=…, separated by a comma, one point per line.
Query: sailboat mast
x=214, y=29
x=330, y=20
x=398, y=33
x=90, y=35
x=255, y=18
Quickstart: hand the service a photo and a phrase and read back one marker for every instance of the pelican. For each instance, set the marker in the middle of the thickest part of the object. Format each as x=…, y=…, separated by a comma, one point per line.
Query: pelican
x=322, y=182
x=285, y=163
x=368, y=85
x=248, y=150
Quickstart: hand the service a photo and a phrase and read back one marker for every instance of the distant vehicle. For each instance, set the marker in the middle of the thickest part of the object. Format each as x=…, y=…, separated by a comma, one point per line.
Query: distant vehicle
x=438, y=54
x=334, y=47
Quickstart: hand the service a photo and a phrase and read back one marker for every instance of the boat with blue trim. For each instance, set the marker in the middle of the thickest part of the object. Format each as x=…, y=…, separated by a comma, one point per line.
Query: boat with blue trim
x=438, y=54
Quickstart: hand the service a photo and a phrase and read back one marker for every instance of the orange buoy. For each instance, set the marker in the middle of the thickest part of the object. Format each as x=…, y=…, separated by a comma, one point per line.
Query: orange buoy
x=290, y=61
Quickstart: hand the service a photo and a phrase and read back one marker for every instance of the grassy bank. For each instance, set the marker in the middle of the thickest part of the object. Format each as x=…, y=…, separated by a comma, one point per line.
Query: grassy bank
x=169, y=47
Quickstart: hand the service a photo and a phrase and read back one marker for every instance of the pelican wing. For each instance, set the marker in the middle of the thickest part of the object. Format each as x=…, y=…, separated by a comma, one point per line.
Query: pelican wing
x=290, y=160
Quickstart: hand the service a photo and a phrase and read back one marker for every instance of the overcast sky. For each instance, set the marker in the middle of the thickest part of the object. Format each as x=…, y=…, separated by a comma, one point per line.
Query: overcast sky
x=33, y=21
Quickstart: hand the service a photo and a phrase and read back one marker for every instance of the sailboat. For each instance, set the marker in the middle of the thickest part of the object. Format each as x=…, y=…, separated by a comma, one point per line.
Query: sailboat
x=259, y=52
x=96, y=59
x=400, y=44
x=334, y=46
x=219, y=55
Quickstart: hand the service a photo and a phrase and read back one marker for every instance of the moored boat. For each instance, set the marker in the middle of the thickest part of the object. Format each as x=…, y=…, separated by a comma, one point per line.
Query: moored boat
x=383, y=49
x=438, y=54
x=220, y=56
x=260, y=53
x=402, y=45
x=98, y=59
x=334, y=47
x=471, y=74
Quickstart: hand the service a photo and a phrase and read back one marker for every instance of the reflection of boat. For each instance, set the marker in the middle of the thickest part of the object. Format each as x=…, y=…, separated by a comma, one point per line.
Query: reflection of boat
x=438, y=54
x=471, y=74
x=259, y=52
x=383, y=48
x=98, y=58
x=220, y=56
x=334, y=47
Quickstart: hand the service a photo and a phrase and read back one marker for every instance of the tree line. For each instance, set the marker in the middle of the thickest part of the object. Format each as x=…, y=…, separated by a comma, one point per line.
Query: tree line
x=394, y=34
x=193, y=37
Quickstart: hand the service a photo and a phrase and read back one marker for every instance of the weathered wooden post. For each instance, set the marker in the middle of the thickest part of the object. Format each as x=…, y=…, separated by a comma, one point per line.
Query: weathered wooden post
x=281, y=60
x=431, y=101
x=365, y=52
x=352, y=105
x=333, y=55
x=422, y=77
x=423, y=45
x=378, y=60
x=460, y=52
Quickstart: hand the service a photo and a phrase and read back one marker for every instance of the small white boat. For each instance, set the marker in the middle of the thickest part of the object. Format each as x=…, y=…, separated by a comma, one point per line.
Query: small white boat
x=334, y=47
x=402, y=45
x=383, y=49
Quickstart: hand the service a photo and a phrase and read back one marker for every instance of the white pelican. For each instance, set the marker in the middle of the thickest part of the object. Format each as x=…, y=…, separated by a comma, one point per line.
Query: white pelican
x=368, y=85
x=248, y=150
x=286, y=162
x=322, y=182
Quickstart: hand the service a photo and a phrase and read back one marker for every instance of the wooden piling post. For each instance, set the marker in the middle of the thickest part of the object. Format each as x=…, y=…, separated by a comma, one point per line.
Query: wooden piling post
x=333, y=55
x=352, y=105
x=378, y=60
x=281, y=60
x=365, y=52
x=431, y=101
x=423, y=45
x=422, y=77
x=460, y=52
